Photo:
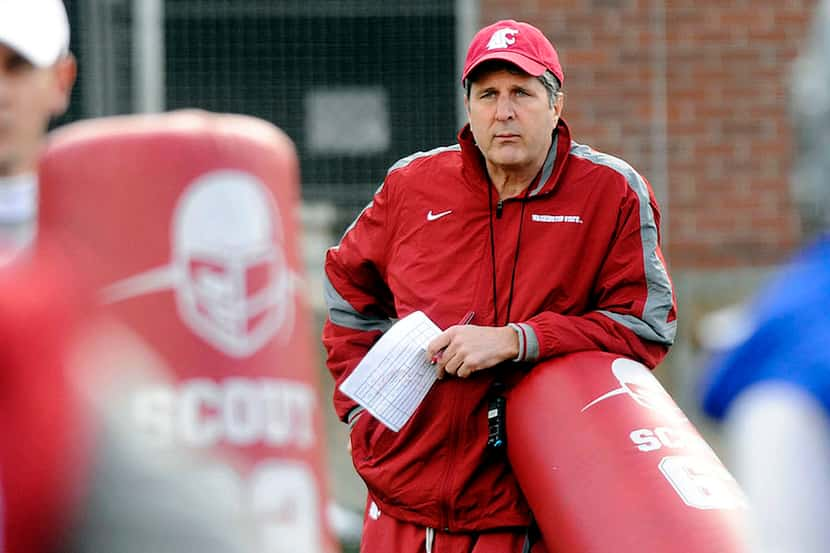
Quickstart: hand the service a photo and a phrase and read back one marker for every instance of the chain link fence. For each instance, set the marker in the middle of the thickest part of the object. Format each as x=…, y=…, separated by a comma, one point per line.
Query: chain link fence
x=357, y=84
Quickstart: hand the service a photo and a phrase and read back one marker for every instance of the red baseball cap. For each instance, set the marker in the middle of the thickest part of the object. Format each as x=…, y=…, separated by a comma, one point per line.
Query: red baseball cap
x=516, y=42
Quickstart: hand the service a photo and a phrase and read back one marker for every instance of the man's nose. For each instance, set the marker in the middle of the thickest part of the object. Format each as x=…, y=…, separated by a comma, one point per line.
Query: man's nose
x=504, y=108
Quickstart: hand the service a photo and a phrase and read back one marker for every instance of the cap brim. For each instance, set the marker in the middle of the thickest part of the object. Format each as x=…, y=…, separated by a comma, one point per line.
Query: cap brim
x=532, y=68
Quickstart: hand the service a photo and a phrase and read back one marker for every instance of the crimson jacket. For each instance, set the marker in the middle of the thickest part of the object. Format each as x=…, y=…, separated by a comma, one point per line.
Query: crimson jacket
x=581, y=247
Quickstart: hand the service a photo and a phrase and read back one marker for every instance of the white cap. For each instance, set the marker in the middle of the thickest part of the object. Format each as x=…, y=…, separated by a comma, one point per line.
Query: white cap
x=36, y=29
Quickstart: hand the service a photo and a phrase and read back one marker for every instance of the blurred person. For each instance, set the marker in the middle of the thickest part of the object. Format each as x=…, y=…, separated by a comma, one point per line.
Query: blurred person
x=74, y=476
x=551, y=246
x=771, y=389
x=37, y=72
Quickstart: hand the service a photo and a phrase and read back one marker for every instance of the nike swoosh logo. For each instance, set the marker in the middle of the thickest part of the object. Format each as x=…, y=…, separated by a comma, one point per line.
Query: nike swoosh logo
x=433, y=216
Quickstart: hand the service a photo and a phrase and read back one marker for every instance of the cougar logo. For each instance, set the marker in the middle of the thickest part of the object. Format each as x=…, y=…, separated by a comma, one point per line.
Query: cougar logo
x=232, y=285
x=641, y=386
x=502, y=38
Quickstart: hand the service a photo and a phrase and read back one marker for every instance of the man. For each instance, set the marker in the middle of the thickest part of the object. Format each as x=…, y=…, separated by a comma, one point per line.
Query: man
x=771, y=389
x=36, y=76
x=552, y=246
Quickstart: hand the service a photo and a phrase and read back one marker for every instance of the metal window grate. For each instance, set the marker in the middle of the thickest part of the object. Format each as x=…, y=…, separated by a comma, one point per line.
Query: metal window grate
x=357, y=84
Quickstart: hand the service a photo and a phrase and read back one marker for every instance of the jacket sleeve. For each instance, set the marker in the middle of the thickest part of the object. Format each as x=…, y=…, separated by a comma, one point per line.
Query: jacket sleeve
x=632, y=310
x=359, y=302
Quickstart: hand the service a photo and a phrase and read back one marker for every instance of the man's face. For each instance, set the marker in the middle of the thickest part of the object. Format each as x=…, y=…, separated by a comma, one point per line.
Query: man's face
x=511, y=119
x=29, y=97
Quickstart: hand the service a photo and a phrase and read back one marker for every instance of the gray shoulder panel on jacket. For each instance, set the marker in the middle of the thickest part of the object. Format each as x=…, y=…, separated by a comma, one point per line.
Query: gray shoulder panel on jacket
x=403, y=162
x=654, y=325
x=342, y=313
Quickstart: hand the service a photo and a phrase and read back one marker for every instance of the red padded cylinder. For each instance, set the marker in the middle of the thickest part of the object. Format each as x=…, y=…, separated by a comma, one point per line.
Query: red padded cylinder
x=608, y=462
x=184, y=226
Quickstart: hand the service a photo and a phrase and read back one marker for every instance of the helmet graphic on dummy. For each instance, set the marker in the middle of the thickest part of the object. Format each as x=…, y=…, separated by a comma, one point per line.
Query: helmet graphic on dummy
x=234, y=288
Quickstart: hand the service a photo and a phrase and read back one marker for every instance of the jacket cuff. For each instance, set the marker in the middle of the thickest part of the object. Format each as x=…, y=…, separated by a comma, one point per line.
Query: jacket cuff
x=528, y=342
x=354, y=414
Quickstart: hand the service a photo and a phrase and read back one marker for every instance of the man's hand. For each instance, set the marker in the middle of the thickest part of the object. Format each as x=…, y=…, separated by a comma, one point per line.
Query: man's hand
x=464, y=349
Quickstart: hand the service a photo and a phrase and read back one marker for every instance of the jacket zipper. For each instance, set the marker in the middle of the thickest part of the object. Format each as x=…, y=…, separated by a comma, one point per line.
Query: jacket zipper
x=499, y=207
x=446, y=486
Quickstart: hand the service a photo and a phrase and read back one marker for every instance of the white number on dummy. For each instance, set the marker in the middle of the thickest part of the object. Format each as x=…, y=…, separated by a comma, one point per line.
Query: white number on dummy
x=702, y=483
x=286, y=508
x=279, y=499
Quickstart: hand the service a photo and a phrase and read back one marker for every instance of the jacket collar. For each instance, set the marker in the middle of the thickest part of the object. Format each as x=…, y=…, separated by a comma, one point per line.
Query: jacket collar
x=475, y=169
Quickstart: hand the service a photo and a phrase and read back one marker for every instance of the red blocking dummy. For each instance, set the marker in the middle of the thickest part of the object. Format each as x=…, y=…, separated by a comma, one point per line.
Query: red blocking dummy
x=184, y=226
x=608, y=462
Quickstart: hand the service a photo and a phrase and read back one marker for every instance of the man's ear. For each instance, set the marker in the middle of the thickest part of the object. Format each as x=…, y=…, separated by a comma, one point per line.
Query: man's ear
x=558, y=106
x=467, y=108
x=65, y=71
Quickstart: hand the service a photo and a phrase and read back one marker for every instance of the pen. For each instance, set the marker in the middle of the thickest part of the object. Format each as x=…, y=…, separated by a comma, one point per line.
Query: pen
x=465, y=321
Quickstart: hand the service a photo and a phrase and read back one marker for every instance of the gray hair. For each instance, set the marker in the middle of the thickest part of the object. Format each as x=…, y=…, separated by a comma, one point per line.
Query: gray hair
x=551, y=84
x=548, y=79
x=810, y=111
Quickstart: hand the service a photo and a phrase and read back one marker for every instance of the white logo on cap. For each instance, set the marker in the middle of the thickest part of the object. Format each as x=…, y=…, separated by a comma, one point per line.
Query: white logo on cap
x=232, y=284
x=502, y=38
x=641, y=386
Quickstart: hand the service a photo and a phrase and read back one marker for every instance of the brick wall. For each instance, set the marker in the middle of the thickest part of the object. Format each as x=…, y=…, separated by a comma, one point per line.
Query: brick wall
x=694, y=95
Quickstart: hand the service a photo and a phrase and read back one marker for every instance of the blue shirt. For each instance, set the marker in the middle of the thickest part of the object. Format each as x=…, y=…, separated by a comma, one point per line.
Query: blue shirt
x=791, y=337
